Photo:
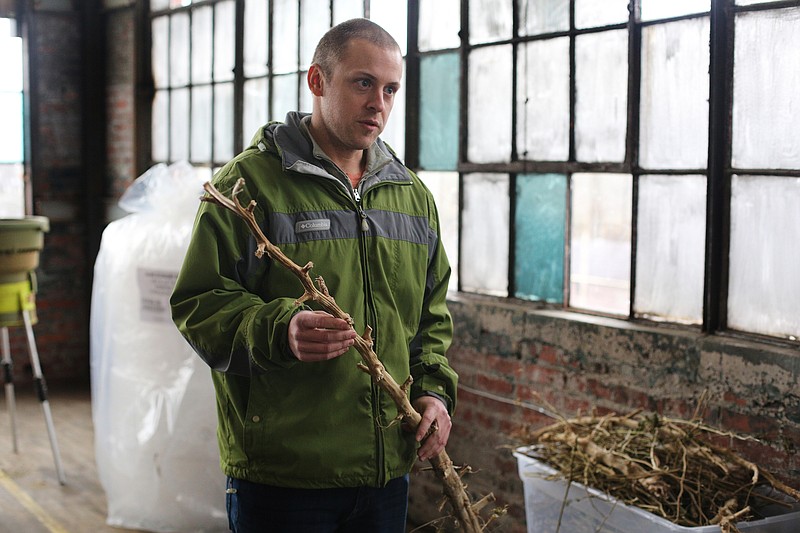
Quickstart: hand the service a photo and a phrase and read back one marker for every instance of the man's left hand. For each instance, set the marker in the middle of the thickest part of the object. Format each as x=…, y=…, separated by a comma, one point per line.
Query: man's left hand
x=432, y=410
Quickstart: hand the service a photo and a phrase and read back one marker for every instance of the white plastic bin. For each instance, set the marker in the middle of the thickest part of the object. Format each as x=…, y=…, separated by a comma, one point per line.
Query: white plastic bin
x=588, y=510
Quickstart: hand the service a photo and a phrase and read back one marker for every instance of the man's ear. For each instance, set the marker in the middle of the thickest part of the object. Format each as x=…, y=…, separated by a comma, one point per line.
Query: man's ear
x=316, y=80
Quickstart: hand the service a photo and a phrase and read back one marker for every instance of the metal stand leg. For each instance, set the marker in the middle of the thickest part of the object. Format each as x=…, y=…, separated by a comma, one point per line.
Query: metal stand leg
x=41, y=388
x=9, y=385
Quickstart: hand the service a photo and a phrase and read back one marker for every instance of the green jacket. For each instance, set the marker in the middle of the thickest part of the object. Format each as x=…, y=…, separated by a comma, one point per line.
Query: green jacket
x=313, y=425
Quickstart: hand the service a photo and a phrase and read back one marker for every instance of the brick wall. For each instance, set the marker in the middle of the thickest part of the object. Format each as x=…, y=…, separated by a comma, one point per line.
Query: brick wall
x=506, y=353
x=58, y=193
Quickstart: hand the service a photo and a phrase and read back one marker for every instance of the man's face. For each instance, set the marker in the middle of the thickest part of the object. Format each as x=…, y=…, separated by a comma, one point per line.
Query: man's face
x=359, y=94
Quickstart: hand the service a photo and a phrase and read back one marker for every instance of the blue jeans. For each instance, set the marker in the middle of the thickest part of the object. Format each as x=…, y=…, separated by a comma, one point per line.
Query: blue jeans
x=257, y=508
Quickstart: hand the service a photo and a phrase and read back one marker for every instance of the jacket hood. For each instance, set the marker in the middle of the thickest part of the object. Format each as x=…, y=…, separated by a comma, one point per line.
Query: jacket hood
x=296, y=151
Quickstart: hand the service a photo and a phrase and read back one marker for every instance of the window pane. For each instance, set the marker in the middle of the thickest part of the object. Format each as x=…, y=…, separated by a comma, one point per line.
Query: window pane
x=11, y=132
x=659, y=9
x=593, y=13
x=11, y=64
x=256, y=42
x=179, y=125
x=285, y=45
x=12, y=191
x=223, y=122
x=347, y=9
x=160, y=126
x=256, y=114
x=284, y=96
x=600, y=242
x=314, y=22
x=439, y=24
x=393, y=17
x=670, y=248
x=224, y=45
x=763, y=290
x=766, y=78
x=306, y=98
x=179, y=50
x=601, y=77
x=543, y=100
x=490, y=96
x=201, y=124
x=439, y=107
x=160, y=52
x=484, y=230
x=489, y=20
x=541, y=216
x=201, y=45
x=395, y=132
x=674, y=93
x=444, y=187
x=543, y=16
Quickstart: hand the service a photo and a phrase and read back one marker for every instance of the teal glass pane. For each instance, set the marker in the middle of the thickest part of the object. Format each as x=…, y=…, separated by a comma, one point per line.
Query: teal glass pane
x=540, y=221
x=438, y=121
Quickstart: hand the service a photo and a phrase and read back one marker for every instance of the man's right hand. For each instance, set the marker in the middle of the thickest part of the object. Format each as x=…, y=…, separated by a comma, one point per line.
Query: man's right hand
x=319, y=336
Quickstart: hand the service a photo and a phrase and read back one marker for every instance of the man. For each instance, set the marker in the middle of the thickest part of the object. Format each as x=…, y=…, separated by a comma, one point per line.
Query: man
x=306, y=439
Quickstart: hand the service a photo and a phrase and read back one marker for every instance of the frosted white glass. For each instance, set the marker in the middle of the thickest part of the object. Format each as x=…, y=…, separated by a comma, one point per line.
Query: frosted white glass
x=179, y=125
x=347, y=9
x=11, y=128
x=12, y=191
x=202, y=46
x=395, y=131
x=484, y=233
x=766, y=108
x=392, y=16
x=763, y=284
x=489, y=104
x=202, y=102
x=315, y=16
x=223, y=121
x=490, y=20
x=159, y=127
x=224, y=43
x=179, y=50
x=750, y=2
x=595, y=13
x=11, y=64
x=439, y=24
x=674, y=95
x=601, y=78
x=600, y=242
x=159, y=52
x=444, y=187
x=284, y=26
x=660, y=9
x=543, y=16
x=256, y=112
x=256, y=42
x=284, y=96
x=543, y=100
x=670, y=248
x=306, y=98
x=156, y=5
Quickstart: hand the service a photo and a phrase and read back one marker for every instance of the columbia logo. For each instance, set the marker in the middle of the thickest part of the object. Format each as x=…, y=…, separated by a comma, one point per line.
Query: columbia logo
x=320, y=224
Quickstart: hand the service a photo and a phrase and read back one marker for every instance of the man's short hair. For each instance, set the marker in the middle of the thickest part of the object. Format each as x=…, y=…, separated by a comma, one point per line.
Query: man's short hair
x=333, y=44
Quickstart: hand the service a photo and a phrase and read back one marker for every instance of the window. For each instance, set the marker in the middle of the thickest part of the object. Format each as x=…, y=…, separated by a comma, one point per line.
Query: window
x=12, y=189
x=636, y=163
x=209, y=101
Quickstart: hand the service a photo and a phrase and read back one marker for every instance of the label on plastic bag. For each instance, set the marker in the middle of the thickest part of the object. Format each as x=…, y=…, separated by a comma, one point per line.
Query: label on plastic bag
x=155, y=288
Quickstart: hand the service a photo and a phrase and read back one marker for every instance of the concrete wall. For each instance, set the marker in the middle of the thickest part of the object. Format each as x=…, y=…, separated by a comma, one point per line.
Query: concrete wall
x=506, y=351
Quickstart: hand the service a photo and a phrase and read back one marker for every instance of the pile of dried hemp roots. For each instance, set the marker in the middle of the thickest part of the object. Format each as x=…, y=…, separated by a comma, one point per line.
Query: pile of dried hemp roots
x=669, y=467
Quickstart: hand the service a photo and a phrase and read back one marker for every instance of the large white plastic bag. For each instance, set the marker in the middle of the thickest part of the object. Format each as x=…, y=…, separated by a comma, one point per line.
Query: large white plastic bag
x=152, y=397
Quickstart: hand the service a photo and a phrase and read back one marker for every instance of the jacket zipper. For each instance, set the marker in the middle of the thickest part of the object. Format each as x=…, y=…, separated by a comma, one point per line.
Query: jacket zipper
x=374, y=389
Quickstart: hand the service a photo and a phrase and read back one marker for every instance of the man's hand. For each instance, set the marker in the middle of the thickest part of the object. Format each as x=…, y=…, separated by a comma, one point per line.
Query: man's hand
x=319, y=336
x=432, y=410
